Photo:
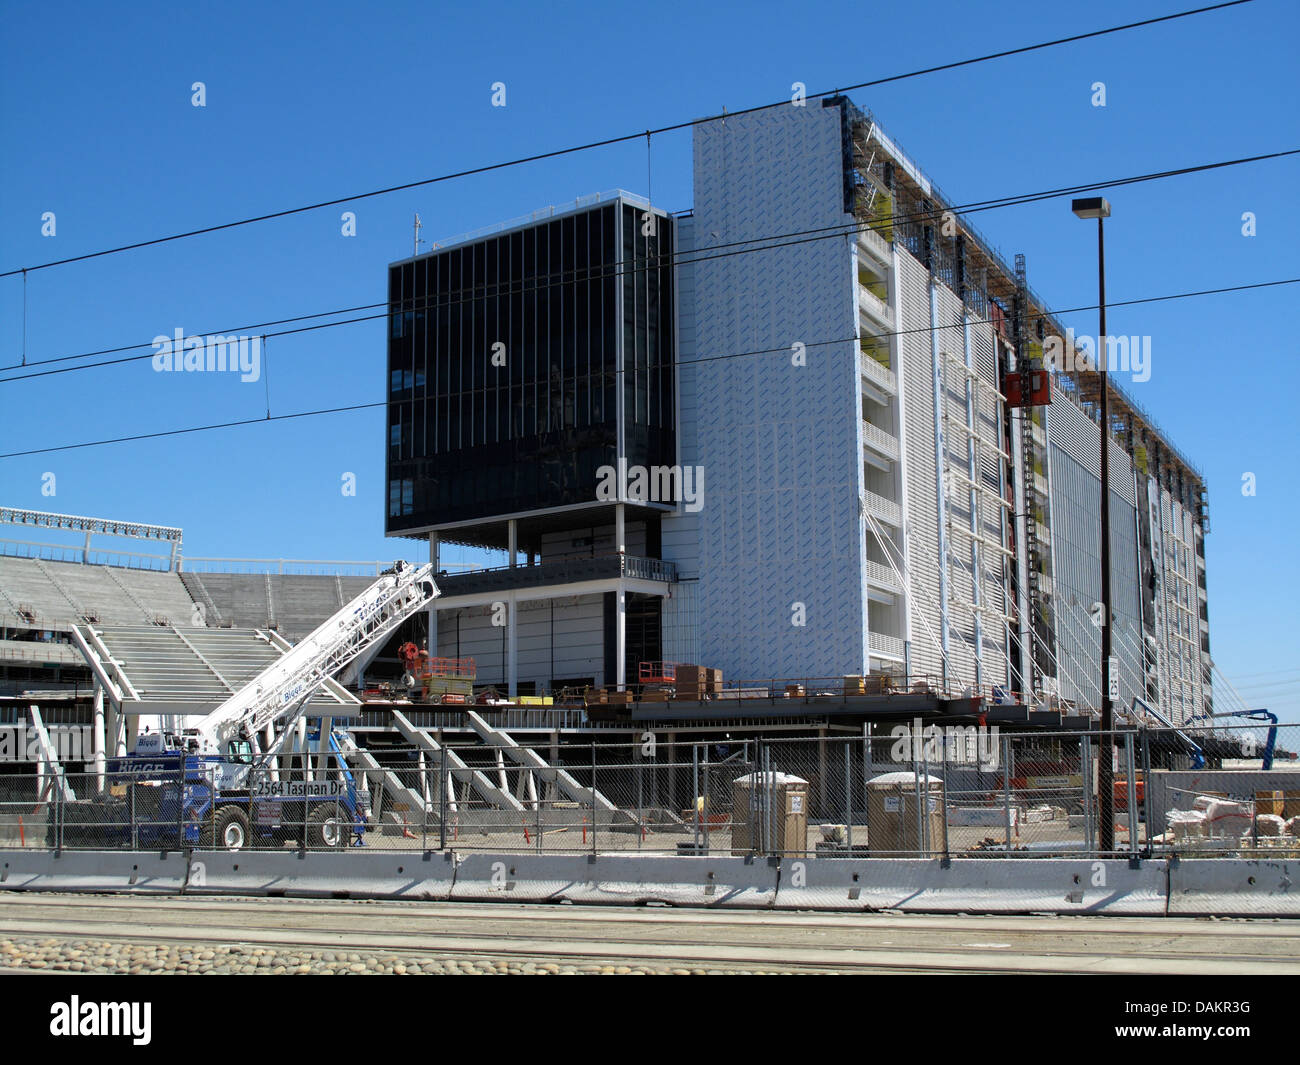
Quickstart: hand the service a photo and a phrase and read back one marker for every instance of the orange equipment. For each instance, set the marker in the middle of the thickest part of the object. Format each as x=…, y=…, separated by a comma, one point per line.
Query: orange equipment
x=657, y=672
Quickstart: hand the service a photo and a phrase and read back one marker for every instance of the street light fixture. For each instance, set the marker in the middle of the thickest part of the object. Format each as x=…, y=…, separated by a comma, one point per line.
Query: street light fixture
x=1099, y=208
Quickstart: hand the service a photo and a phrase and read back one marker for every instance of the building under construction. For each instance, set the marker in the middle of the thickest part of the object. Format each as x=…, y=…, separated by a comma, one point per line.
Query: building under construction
x=817, y=427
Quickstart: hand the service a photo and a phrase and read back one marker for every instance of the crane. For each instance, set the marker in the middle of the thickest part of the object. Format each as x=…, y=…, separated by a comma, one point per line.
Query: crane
x=220, y=755
x=278, y=695
x=1256, y=715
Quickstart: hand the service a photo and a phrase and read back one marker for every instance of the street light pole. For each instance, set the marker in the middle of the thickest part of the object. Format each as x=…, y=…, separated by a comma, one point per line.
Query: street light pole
x=1097, y=207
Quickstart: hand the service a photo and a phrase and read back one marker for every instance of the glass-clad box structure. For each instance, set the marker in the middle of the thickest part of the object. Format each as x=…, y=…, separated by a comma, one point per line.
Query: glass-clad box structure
x=521, y=363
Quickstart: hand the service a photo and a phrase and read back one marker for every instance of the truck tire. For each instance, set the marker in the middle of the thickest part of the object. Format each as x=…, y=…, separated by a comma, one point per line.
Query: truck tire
x=328, y=828
x=227, y=829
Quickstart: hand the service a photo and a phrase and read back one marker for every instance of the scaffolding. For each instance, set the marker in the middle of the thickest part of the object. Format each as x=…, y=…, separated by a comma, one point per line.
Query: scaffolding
x=891, y=199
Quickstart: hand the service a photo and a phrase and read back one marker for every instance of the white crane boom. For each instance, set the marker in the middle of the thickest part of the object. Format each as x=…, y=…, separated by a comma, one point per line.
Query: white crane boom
x=280, y=692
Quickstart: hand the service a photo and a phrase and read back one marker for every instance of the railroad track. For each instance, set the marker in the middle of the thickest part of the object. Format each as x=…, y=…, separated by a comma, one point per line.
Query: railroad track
x=669, y=937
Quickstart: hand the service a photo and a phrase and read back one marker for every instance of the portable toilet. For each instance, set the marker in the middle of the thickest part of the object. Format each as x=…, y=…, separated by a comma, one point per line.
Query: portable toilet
x=769, y=814
x=904, y=813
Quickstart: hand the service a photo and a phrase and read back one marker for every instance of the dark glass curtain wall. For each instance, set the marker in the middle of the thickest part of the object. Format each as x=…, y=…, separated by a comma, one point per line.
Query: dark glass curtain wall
x=502, y=357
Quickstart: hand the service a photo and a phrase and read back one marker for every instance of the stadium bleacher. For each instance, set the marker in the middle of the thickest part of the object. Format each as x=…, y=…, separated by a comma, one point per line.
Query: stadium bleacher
x=292, y=603
x=60, y=593
x=41, y=599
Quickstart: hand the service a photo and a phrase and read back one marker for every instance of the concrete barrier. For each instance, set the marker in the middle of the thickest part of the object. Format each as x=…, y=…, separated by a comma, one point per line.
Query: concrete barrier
x=134, y=872
x=372, y=874
x=1238, y=887
x=626, y=880
x=1007, y=885
x=490, y=877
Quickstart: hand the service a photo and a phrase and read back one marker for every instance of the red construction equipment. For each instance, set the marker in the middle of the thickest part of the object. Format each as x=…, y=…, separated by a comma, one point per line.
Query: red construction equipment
x=657, y=672
x=440, y=680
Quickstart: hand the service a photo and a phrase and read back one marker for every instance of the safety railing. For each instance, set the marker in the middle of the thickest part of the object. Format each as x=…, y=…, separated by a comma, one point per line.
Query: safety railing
x=879, y=375
x=882, y=441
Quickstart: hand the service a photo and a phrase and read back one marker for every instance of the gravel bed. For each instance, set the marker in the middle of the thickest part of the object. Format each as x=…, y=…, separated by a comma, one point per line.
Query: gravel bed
x=97, y=956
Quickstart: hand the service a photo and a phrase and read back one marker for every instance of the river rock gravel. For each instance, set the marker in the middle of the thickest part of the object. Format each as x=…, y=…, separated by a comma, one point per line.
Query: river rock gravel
x=96, y=956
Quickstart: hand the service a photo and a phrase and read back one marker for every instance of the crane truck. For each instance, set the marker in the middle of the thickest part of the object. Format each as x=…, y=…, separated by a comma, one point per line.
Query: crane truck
x=220, y=783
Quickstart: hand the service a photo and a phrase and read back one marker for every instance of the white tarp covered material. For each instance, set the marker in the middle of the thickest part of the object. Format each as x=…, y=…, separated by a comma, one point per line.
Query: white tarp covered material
x=1187, y=824
x=773, y=779
x=1224, y=817
x=904, y=777
x=1269, y=825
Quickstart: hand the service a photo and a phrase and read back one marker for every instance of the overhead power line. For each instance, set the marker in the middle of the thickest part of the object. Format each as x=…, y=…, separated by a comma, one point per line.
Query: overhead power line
x=752, y=245
x=713, y=358
x=1265, y=673
x=621, y=139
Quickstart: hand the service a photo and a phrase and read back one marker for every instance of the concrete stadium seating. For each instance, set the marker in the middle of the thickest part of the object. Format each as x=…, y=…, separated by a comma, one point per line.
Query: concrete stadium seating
x=293, y=603
x=61, y=593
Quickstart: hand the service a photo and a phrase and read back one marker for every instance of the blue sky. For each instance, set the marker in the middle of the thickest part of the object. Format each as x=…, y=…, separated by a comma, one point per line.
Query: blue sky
x=313, y=102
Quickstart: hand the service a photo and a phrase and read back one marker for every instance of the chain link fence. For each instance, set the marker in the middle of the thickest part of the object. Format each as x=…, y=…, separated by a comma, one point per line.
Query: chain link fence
x=912, y=789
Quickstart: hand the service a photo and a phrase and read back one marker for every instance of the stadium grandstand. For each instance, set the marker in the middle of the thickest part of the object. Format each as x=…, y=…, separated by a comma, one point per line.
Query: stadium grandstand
x=47, y=587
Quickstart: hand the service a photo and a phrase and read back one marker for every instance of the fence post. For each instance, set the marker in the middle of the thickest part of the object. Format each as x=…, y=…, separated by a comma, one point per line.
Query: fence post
x=1006, y=786
x=848, y=797
x=1146, y=792
x=695, y=798
x=868, y=768
x=943, y=793
x=923, y=802
x=442, y=798
x=770, y=786
x=302, y=808
x=704, y=812
x=594, y=818
x=1085, y=769
x=1130, y=774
